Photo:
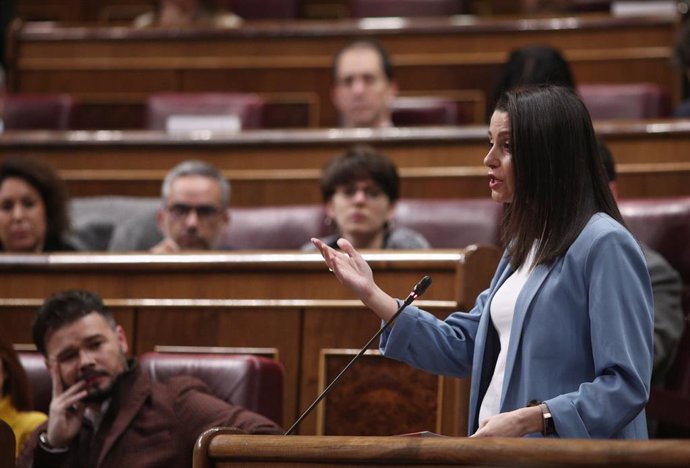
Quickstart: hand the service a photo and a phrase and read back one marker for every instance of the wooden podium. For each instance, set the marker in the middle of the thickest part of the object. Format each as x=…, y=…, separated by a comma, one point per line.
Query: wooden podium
x=220, y=448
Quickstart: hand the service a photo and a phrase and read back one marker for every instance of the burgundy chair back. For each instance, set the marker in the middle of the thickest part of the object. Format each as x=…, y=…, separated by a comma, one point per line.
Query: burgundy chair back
x=161, y=107
x=39, y=379
x=380, y=8
x=450, y=224
x=254, y=382
x=37, y=111
x=446, y=223
x=263, y=9
x=275, y=227
x=625, y=101
x=419, y=111
x=664, y=225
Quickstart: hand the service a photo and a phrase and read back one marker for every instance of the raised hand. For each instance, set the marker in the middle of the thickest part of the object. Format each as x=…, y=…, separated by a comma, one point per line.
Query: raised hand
x=354, y=272
x=66, y=409
x=167, y=245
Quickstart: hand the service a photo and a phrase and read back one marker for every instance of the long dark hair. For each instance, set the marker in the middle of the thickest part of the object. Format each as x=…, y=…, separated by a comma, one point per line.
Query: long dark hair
x=46, y=181
x=532, y=66
x=16, y=384
x=560, y=181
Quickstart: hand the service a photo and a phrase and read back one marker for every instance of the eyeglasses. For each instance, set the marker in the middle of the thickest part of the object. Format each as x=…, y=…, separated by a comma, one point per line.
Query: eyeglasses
x=181, y=211
x=370, y=191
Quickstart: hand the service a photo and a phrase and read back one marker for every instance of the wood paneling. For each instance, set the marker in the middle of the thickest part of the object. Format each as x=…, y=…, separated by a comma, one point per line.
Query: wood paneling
x=283, y=167
x=257, y=323
x=110, y=64
x=246, y=275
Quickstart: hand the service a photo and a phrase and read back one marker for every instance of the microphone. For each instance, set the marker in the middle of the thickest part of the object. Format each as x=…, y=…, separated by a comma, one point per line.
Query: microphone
x=417, y=291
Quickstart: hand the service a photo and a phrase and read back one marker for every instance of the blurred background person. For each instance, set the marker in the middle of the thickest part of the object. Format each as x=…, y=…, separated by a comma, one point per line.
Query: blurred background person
x=15, y=395
x=360, y=188
x=33, y=207
x=194, y=213
x=364, y=86
x=669, y=320
x=529, y=66
x=187, y=13
x=681, y=53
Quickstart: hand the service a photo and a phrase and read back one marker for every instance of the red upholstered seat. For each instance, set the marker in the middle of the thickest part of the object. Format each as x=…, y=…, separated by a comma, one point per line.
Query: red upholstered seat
x=263, y=9
x=446, y=223
x=450, y=223
x=37, y=111
x=380, y=8
x=418, y=111
x=275, y=227
x=625, y=101
x=168, y=110
x=254, y=382
x=39, y=378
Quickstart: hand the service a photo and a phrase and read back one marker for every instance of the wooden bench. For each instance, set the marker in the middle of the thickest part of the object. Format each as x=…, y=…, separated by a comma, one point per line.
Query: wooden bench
x=110, y=70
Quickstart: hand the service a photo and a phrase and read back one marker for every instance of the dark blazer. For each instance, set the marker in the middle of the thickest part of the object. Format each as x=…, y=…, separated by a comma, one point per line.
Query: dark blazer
x=148, y=424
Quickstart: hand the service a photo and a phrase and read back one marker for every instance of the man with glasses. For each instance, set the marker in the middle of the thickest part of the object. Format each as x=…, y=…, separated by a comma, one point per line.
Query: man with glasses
x=195, y=208
x=193, y=215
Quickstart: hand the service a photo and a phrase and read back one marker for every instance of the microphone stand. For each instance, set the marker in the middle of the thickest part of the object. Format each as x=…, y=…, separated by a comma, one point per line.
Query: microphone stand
x=416, y=292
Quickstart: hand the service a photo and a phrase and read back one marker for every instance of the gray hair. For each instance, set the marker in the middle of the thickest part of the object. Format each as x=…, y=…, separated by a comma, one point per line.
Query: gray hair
x=197, y=168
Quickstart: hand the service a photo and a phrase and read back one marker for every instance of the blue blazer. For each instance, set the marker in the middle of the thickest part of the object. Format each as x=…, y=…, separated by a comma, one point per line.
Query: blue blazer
x=581, y=338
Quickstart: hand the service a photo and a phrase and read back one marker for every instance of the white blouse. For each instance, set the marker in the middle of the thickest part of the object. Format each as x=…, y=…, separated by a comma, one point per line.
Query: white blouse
x=502, y=309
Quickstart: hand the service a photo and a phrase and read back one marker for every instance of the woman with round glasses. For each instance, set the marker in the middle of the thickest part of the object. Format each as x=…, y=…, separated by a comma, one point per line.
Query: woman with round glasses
x=360, y=188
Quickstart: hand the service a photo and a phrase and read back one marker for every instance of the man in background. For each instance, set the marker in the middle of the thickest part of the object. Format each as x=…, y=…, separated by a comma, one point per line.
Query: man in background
x=105, y=410
x=364, y=87
x=669, y=320
x=193, y=215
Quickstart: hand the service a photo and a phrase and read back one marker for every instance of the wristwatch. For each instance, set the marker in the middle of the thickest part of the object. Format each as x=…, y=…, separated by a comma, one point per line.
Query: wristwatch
x=549, y=427
x=43, y=441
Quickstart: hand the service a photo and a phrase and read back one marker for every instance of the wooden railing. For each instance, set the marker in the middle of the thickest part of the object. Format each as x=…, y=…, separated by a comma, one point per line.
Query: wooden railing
x=215, y=448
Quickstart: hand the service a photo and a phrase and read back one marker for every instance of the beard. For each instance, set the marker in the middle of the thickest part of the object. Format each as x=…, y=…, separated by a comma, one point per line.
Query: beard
x=98, y=394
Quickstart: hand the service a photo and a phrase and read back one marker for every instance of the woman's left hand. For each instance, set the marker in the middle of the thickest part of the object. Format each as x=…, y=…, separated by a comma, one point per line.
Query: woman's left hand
x=512, y=424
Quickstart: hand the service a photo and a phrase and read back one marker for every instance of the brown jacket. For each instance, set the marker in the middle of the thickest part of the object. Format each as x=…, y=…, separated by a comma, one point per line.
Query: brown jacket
x=148, y=424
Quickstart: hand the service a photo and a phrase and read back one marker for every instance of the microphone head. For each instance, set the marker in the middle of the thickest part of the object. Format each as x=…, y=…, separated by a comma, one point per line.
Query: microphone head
x=421, y=287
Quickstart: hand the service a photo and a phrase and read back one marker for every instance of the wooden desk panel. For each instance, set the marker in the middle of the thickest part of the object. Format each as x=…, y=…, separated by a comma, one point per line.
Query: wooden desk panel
x=17, y=314
x=325, y=328
x=459, y=275
x=279, y=324
x=106, y=65
x=282, y=167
